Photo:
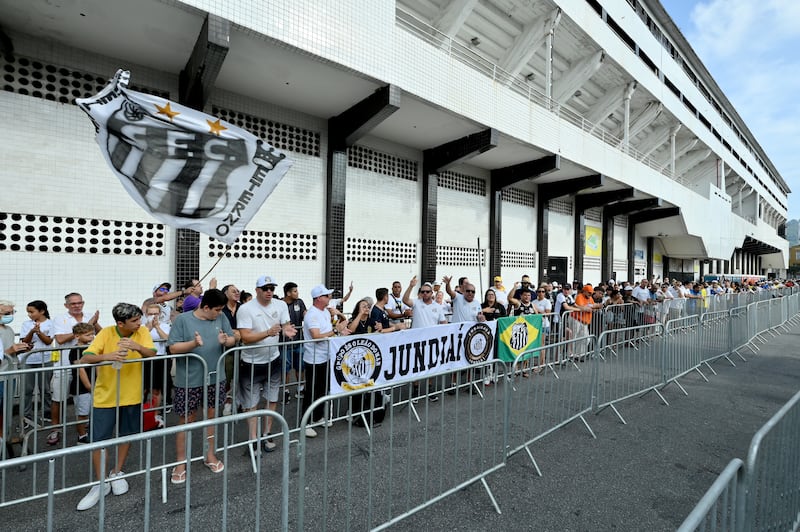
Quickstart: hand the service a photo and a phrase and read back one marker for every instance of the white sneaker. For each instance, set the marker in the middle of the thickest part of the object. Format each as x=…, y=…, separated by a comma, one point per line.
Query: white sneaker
x=311, y=433
x=93, y=497
x=118, y=484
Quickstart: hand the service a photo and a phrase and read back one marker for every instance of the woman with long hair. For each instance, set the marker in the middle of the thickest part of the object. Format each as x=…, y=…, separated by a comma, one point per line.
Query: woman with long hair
x=37, y=332
x=491, y=308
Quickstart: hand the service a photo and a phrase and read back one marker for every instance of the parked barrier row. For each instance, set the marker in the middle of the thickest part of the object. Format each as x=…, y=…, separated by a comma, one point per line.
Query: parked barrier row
x=439, y=435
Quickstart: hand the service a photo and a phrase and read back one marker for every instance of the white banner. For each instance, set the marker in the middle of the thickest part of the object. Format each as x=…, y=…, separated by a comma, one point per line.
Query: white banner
x=186, y=168
x=367, y=360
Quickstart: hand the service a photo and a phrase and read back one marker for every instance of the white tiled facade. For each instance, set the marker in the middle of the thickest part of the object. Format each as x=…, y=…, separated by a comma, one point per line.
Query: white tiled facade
x=51, y=166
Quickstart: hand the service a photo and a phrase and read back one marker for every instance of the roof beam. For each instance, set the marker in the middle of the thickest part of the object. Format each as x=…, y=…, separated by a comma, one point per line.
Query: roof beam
x=197, y=78
x=579, y=73
x=459, y=150
x=642, y=119
x=599, y=199
x=655, y=139
x=702, y=171
x=453, y=16
x=527, y=42
x=352, y=124
x=509, y=175
x=627, y=207
x=690, y=160
x=556, y=189
x=608, y=103
x=653, y=214
x=680, y=150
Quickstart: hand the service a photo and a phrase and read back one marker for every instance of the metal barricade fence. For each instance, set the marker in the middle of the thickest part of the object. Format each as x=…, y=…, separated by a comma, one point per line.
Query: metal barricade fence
x=450, y=436
x=681, y=356
x=770, y=499
x=556, y=393
x=714, y=336
x=627, y=365
x=716, y=511
x=236, y=496
x=75, y=410
x=739, y=330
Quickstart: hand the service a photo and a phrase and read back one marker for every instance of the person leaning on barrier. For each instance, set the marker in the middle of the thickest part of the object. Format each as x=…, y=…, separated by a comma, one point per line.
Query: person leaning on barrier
x=316, y=326
x=10, y=349
x=117, y=392
x=380, y=317
x=207, y=333
x=37, y=332
x=65, y=340
x=80, y=387
x=155, y=373
x=397, y=310
x=293, y=353
x=261, y=322
x=229, y=310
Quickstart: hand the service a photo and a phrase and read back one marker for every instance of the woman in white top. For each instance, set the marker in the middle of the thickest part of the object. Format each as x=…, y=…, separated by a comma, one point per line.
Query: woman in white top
x=37, y=332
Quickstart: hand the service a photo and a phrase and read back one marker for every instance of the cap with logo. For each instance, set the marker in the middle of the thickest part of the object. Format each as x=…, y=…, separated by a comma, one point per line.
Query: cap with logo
x=265, y=280
x=320, y=290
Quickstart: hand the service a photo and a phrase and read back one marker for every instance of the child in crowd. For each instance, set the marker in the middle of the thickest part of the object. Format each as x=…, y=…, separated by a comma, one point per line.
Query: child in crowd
x=81, y=386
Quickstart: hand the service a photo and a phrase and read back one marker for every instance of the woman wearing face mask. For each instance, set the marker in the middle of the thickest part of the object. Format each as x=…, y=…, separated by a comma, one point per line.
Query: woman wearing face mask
x=37, y=332
x=10, y=349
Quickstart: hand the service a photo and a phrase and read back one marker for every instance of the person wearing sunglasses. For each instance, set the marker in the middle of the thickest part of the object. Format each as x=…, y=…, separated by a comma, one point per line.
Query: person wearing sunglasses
x=465, y=306
x=261, y=322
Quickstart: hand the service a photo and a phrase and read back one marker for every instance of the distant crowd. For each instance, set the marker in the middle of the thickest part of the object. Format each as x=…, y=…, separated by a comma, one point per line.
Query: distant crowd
x=208, y=322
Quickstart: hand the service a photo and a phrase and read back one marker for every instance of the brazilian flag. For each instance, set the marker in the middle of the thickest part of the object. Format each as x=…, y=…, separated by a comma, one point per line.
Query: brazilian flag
x=517, y=334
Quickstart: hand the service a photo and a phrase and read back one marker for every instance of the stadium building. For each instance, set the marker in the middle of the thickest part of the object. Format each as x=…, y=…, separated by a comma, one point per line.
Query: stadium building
x=569, y=139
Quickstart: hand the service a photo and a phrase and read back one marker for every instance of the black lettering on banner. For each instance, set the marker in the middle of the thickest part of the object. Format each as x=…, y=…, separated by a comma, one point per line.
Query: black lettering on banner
x=419, y=356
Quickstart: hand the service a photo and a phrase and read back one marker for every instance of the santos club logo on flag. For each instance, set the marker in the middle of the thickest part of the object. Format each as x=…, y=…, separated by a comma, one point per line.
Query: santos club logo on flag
x=517, y=335
x=186, y=168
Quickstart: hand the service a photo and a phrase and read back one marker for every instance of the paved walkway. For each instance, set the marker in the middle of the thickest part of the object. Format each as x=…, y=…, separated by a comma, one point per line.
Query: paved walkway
x=647, y=474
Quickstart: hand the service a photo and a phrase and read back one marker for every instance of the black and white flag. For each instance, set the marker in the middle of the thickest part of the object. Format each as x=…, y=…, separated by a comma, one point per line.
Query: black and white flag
x=186, y=168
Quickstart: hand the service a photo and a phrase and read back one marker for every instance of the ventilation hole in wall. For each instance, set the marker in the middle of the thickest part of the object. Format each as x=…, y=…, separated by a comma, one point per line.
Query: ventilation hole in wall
x=47, y=237
x=457, y=256
x=381, y=163
x=561, y=206
x=517, y=259
x=22, y=75
x=282, y=136
x=621, y=221
x=519, y=196
x=462, y=183
x=384, y=251
x=594, y=214
x=266, y=245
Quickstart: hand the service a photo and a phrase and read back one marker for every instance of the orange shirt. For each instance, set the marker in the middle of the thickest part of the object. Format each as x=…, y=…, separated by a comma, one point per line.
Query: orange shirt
x=583, y=301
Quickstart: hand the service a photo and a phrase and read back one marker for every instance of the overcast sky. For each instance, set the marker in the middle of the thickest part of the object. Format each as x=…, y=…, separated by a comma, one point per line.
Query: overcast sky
x=751, y=49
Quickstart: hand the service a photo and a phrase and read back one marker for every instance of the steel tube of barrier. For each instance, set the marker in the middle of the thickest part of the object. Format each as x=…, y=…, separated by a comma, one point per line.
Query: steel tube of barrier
x=770, y=499
x=552, y=396
x=237, y=490
x=628, y=365
x=717, y=509
x=422, y=453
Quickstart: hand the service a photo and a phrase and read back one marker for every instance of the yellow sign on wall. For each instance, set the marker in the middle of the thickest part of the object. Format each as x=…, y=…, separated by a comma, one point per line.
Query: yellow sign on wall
x=594, y=241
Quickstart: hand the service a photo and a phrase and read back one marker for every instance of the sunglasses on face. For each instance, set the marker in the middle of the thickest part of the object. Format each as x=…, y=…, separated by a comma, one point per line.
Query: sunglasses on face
x=469, y=291
x=267, y=288
x=425, y=291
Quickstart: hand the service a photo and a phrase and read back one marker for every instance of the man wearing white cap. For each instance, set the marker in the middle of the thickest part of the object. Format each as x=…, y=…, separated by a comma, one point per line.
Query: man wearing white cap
x=317, y=325
x=260, y=323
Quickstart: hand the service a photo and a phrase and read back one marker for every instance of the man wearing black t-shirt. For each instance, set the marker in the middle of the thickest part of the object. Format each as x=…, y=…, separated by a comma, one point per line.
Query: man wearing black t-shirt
x=378, y=316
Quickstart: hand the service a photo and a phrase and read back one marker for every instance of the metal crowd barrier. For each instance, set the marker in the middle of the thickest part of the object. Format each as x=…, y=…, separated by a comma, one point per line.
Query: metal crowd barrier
x=716, y=511
x=557, y=392
x=763, y=492
x=356, y=479
x=150, y=484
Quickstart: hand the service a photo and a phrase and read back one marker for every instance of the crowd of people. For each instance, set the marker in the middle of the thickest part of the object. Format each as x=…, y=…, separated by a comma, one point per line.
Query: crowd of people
x=208, y=323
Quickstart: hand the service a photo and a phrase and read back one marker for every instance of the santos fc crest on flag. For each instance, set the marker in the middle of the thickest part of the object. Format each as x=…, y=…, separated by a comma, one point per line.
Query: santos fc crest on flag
x=184, y=167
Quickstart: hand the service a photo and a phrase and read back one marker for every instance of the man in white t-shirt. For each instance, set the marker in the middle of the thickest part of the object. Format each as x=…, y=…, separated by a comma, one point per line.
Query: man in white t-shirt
x=641, y=294
x=426, y=311
x=316, y=326
x=260, y=322
x=465, y=306
x=65, y=339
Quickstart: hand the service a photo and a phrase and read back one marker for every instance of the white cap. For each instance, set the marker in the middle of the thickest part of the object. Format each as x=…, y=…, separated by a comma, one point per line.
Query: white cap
x=320, y=290
x=612, y=282
x=264, y=280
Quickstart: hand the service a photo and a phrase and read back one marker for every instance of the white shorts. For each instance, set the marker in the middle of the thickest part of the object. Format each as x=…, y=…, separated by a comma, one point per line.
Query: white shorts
x=83, y=404
x=59, y=384
x=258, y=381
